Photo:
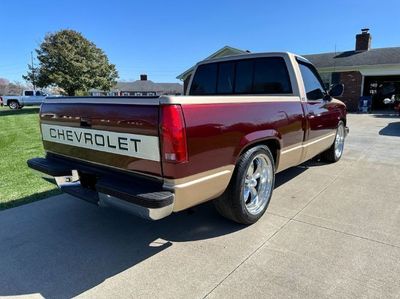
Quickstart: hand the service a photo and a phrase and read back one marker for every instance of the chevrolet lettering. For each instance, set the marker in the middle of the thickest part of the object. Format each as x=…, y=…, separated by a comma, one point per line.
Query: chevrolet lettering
x=131, y=145
x=244, y=119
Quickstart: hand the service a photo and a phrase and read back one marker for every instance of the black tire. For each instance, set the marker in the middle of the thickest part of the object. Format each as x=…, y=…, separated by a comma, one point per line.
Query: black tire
x=13, y=105
x=331, y=155
x=232, y=204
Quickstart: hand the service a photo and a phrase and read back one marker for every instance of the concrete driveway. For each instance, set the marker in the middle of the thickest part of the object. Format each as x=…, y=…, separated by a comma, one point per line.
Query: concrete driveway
x=330, y=231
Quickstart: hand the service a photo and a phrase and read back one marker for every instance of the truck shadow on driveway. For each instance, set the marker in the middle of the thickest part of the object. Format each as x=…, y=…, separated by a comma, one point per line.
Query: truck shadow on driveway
x=392, y=129
x=22, y=111
x=29, y=198
x=61, y=247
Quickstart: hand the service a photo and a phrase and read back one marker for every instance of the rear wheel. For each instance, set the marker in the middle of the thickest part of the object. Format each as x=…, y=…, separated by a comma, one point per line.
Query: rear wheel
x=249, y=192
x=13, y=105
x=335, y=152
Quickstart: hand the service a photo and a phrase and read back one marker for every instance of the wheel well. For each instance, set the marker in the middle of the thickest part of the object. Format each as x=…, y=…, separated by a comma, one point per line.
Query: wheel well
x=272, y=144
x=12, y=100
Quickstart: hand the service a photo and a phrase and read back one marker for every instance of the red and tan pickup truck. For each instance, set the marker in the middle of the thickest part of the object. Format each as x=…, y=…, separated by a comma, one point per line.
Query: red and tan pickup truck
x=244, y=119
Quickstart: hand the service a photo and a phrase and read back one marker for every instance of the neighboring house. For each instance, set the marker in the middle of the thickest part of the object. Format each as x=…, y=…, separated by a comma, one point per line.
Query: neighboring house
x=225, y=51
x=140, y=88
x=363, y=71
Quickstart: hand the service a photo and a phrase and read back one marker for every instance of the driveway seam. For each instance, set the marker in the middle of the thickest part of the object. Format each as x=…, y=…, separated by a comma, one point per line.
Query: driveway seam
x=262, y=245
x=248, y=257
x=346, y=233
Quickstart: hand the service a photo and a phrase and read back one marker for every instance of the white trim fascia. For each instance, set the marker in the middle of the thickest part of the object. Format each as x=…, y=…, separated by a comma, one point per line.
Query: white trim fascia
x=364, y=69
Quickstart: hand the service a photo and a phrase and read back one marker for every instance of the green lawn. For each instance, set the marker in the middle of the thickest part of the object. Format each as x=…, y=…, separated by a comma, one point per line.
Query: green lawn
x=20, y=141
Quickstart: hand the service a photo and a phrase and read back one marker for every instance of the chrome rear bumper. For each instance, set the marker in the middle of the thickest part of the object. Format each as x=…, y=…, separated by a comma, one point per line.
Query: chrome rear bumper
x=138, y=196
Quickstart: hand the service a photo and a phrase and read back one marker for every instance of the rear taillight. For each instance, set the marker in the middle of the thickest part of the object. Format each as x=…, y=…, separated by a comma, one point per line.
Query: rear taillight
x=173, y=134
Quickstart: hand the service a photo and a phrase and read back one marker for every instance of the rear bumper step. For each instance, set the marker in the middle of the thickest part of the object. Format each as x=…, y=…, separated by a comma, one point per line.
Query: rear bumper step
x=140, y=196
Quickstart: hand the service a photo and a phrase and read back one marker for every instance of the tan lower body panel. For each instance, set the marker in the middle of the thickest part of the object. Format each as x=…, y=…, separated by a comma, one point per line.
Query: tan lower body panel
x=290, y=157
x=315, y=147
x=299, y=153
x=199, y=188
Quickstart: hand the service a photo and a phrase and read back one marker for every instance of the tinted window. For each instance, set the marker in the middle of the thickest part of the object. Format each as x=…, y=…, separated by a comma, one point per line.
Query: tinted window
x=244, y=76
x=38, y=93
x=205, y=80
x=226, y=78
x=29, y=93
x=312, y=82
x=250, y=76
x=271, y=76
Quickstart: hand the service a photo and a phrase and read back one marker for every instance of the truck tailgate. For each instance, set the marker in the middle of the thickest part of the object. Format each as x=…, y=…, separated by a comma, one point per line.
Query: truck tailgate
x=122, y=133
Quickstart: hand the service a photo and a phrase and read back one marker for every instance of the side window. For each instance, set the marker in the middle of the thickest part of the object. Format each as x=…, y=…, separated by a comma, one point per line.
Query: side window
x=244, y=76
x=312, y=82
x=205, y=80
x=29, y=92
x=226, y=73
x=271, y=76
x=38, y=93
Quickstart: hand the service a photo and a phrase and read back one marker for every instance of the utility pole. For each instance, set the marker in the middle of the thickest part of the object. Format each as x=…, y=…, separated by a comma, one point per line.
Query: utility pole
x=33, y=72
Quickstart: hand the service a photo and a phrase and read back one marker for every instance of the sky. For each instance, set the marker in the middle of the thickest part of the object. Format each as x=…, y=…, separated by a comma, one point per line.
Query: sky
x=164, y=38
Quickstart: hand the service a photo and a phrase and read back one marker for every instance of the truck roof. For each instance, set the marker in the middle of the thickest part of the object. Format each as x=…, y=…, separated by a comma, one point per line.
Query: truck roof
x=251, y=55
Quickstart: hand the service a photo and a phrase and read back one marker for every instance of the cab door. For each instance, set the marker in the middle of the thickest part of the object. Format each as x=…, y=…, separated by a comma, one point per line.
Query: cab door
x=321, y=120
x=28, y=97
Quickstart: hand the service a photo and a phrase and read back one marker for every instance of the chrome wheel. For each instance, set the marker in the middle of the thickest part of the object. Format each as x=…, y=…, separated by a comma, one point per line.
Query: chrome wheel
x=13, y=105
x=339, y=141
x=258, y=184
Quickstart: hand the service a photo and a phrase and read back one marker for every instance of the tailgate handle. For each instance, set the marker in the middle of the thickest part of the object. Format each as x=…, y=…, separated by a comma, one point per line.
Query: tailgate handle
x=85, y=122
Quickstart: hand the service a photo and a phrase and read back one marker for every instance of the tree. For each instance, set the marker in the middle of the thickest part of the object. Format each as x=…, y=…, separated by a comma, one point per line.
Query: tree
x=10, y=88
x=69, y=61
x=15, y=88
x=3, y=86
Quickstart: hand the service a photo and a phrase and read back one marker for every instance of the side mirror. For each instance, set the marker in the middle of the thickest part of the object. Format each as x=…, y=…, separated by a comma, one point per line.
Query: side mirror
x=336, y=90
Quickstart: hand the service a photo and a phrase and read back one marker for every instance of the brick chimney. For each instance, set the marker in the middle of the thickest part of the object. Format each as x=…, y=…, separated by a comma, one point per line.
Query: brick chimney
x=143, y=77
x=363, y=40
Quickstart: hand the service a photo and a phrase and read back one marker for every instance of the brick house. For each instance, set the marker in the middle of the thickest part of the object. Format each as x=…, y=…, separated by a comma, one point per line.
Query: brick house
x=363, y=71
x=140, y=88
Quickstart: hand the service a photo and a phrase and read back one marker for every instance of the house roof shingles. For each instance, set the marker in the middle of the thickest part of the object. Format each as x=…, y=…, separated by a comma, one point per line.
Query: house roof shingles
x=356, y=58
x=148, y=85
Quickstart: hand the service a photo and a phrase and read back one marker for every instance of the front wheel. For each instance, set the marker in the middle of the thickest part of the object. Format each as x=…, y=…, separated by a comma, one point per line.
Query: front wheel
x=335, y=152
x=249, y=192
x=13, y=105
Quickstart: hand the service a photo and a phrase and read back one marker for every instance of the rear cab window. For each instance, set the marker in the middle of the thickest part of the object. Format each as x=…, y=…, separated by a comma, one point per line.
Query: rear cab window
x=262, y=76
x=205, y=80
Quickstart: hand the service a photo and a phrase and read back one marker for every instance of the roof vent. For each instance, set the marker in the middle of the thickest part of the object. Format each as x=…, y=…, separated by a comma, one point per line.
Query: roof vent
x=143, y=77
